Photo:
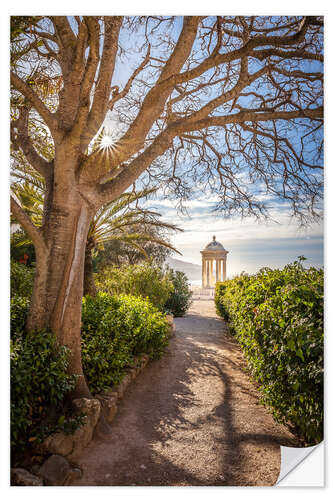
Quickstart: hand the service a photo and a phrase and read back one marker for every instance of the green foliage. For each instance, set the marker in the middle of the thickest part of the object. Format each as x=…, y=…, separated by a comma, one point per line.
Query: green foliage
x=21, y=279
x=180, y=299
x=39, y=383
x=143, y=280
x=114, y=330
x=220, y=289
x=277, y=317
x=65, y=424
x=19, y=307
x=20, y=245
x=21, y=282
x=117, y=253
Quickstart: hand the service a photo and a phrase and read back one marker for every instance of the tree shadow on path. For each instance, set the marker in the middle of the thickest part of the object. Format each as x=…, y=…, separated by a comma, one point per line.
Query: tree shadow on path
x=192, y=418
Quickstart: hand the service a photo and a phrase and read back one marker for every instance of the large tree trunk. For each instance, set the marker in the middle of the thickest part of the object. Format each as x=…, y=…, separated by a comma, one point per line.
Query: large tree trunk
x=58, y=288
x=89, y=287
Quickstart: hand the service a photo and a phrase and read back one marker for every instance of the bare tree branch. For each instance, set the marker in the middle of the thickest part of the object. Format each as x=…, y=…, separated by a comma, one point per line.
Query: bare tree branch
x=33, y=231
x=34, y=100
x=116, y=95
x=99, y=106
x=254, y=116
x=20, y=138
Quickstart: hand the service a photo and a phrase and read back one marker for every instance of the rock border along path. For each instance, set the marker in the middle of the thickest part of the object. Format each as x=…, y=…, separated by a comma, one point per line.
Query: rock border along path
x=191, y=418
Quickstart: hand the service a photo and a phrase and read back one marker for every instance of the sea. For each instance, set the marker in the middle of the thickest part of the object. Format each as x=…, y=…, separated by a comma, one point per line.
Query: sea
x=195, y=282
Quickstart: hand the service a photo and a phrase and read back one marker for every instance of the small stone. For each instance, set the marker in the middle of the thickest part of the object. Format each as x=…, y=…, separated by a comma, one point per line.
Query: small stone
x=22, y=477
x=35, y=469
x=171, y=324
x=107, y=476
x=144, y=358
x=58, y=443
x=91, y=407
x=74, y=473
x=83, y=435
x=143, y=467
x=55, y=471
x=133, y=373
x=142, y=362
x=109, y=406
x=122, y=386
x=108, y=393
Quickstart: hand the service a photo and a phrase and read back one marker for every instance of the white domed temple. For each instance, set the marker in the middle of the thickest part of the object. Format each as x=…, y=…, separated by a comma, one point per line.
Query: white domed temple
x=212, y=257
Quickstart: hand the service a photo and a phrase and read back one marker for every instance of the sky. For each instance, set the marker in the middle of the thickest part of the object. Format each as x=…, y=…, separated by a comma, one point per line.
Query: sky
x=251, y=245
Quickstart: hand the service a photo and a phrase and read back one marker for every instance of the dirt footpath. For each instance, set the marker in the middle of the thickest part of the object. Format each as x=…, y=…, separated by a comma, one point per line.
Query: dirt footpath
x=191, y=418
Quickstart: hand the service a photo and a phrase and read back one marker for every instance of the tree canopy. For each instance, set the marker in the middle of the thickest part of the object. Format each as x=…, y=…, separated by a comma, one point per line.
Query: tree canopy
x=231, y=104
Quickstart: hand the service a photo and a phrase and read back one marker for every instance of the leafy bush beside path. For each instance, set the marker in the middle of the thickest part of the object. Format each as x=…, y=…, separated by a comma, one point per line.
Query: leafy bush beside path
x=114, y=330
x=180, y=299
x=277, y=317
x=141, y=280
x=39, y=383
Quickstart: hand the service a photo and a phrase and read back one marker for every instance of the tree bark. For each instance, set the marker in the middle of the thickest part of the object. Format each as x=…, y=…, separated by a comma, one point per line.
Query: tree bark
x=58, y=288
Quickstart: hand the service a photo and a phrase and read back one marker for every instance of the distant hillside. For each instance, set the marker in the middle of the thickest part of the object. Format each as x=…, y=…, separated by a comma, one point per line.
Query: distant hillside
x=192, y=271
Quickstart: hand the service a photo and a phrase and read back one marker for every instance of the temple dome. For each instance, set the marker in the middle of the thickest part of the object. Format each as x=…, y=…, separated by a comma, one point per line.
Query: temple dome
x=214, y=245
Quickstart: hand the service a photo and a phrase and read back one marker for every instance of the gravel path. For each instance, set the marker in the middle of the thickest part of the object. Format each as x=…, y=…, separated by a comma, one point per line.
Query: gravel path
x=191, y=418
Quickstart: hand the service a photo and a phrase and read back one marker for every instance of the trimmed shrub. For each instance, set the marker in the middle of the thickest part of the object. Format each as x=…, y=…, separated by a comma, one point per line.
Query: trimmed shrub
x=19, y=307
x=180, y=299
x=142, y=280
x=277, y=317
x=21, y=279
x=220, y=289
x=39, y=383
x=114, y=330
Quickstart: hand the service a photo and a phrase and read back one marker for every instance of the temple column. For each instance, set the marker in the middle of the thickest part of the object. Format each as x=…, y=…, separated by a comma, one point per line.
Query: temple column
x=224, y=269
x=211, y=279
x=203, y=273
x=206, y=273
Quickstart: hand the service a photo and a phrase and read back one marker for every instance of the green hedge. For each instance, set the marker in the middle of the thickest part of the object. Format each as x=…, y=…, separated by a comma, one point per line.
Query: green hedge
x=141, y=280
x=114, y=330
x=19, y=308
x=39, y=383
x=21, y=279
x=277, y=317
